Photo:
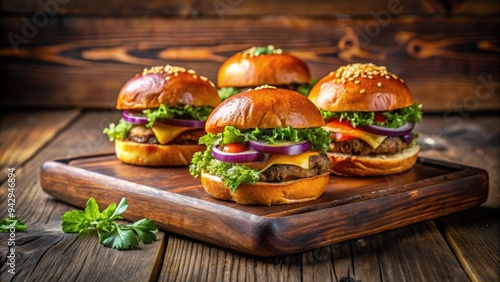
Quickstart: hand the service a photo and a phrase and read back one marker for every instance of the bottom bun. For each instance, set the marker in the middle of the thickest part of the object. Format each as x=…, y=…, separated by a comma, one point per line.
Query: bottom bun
x=264, y=193
x=352, y=165
x=155, y=155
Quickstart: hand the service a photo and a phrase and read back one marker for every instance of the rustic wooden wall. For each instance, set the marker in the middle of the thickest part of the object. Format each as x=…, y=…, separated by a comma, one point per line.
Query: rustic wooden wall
x=67, y=53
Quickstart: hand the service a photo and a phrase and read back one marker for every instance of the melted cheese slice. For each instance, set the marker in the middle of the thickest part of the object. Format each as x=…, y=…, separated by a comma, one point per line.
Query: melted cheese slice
x=165, y=133
x=374, y=140
x=301, y=160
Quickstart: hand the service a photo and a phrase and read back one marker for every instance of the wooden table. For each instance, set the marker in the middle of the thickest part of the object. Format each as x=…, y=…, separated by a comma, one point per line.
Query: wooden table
x=459, y=247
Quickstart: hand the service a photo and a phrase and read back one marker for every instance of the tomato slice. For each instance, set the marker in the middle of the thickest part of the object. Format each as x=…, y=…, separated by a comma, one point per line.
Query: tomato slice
x=379, y=118
x=235, y=148
x=343, y=137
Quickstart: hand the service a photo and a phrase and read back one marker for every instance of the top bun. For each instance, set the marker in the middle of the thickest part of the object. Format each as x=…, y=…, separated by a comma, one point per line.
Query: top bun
x=168, y=85
x=361, y=87
x=244, y=69
x=264, y=107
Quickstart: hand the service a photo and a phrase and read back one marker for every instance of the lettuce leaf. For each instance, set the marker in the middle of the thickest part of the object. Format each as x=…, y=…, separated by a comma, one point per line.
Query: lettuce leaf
x=394, y=118
x=305, y=88
x=186, y=111
x=226, y=92
x=118, y=131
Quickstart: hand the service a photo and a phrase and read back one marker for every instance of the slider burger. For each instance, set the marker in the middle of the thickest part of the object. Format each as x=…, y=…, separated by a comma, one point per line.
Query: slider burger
x=164, y=113
x=370, y=114
x=265, y=146
x=262, y=66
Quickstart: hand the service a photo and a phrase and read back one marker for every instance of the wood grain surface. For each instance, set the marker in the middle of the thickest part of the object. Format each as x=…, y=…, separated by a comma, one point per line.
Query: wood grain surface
x=463, y=245
x=177, y=203
x=85, y=61
x=44, y=246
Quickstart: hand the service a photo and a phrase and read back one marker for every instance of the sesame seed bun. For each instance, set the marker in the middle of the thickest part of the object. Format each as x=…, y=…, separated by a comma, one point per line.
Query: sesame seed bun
x=168, y=85
x=246, y=70
x=264, y=107
x=361, y=87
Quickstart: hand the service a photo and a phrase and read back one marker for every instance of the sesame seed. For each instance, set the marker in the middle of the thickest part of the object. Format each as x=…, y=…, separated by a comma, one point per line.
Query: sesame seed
x=191, y=72
x=370, y=77
x=356, y=81
x=194, y=76
x=211, y=83
x=362, y=91
x=350, y=78
x=203, y=78
x=379, y=84
x=402, y=81
x=388, y=77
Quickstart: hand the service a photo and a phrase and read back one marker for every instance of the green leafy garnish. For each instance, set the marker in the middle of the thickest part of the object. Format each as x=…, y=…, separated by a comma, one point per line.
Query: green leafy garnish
x=261, y=50
x=118, y=131
x=111, y=234
x=233, y=175
x=394, y=118
x=7, y=223
x=305, y=88
x=226, y=92
x=198, y=113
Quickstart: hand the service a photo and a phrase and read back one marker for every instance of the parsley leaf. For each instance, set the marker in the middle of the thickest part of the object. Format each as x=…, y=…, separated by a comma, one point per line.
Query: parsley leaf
x=226, y=92
x=394, y=118
x=110, y=233
x=7, y=223
x=118, y=131
x=198, y=113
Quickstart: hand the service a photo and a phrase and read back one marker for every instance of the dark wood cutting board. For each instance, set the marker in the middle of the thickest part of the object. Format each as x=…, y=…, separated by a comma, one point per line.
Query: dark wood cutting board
x=349, y=208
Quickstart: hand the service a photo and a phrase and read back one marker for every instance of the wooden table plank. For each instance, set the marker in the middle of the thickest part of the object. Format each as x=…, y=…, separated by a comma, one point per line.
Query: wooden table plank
x=473, y=237
x=45, y=247
x=23, y=133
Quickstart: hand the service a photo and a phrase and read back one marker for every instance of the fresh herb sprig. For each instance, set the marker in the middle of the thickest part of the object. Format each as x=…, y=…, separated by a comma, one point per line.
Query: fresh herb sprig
x=8, y=223
x=111, y=234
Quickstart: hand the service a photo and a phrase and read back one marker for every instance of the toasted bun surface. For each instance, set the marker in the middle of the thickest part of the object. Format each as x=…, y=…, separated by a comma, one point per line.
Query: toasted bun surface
x=264, y=107
x=361, y=87
x=167, y=85
x=155, y=155
x=263, y=193
x=246, y=70
x=352, y=165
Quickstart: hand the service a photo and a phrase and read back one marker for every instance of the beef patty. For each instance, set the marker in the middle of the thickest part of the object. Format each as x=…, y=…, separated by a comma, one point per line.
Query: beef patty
x=318, y=164
x=391, y=145
x=145, y=135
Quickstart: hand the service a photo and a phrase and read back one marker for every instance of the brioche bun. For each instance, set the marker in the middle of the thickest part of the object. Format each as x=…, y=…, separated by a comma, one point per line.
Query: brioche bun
x=264, y=107
x=361, y=88
x=246, y=70
x=172, y=86
x=168, y=85
x=263, y=193
x=154, y=154
x=365, y=88
x=373, y=165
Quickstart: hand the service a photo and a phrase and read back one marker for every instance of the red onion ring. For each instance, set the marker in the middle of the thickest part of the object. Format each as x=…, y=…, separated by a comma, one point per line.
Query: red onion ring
x=391, y=132
x=134, y=118
x=242, y=157
x=280, y=147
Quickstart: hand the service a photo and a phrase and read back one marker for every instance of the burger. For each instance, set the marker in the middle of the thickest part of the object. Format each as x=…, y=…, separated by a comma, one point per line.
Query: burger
x=263, y=66
x=265, y=146
x=164, y=112
x=370, y=114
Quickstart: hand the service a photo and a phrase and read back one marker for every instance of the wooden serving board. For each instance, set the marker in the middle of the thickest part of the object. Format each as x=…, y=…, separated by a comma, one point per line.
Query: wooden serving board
x=349, y=208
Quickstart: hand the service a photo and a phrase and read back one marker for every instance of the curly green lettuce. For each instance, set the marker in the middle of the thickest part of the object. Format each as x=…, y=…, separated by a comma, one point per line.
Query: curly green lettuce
x=233, y=175
x=226, y=92
x=189, y=111
x=118, y=131
x=394, y=118
x=305, y=88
